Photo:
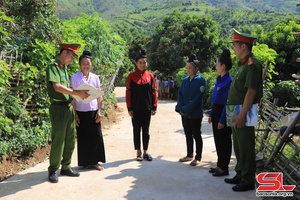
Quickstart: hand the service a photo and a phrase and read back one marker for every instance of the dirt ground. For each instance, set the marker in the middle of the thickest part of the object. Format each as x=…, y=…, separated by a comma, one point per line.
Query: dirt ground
x=11, y=166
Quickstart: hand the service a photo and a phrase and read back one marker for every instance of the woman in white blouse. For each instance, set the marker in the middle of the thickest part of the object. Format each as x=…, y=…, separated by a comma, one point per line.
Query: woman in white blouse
x=90, y=145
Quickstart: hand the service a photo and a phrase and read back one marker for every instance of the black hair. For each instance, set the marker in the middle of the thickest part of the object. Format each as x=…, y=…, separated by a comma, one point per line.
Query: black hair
x=194, y=61
x=85, y=54
x=142, y=54
x=225, y=59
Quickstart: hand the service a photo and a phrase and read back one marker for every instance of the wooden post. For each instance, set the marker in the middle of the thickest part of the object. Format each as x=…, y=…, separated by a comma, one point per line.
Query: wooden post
x=265, y=70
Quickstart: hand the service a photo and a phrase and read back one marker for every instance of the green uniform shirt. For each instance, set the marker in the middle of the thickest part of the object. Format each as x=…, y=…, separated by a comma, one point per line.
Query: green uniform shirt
x=249, y=74
x=56, y=72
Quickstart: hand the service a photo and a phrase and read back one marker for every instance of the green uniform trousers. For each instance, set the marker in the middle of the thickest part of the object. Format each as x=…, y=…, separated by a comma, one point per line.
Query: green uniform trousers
x=63, y=137
x=244, y=148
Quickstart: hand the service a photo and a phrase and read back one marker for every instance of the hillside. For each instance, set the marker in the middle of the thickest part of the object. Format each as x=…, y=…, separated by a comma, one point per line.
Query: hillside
x=132, y=18
x=70, y=8
x=113, y=8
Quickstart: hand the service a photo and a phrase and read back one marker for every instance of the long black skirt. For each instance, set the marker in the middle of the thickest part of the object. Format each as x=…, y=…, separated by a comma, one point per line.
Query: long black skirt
x=90, y=145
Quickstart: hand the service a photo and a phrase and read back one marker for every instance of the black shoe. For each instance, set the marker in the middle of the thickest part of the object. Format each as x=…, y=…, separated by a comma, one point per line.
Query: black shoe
x=69, y=172
x=212, y=170
x=219, y=173
x=52, y=177
x=234, y=180
x=242, y=186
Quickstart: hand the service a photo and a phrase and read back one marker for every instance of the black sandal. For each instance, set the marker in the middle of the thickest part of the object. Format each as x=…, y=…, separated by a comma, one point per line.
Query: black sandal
x=147, y=156
x=139, y=158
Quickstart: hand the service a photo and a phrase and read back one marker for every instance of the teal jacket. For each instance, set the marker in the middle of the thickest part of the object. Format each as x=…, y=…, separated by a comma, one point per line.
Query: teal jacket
x=190, y=97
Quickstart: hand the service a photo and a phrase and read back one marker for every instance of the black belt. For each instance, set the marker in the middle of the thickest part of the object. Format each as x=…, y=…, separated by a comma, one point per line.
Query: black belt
x=61, y=103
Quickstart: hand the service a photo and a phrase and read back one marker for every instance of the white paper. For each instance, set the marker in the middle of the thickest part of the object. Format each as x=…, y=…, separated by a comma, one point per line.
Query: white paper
x=93, y=92
x=251, y=117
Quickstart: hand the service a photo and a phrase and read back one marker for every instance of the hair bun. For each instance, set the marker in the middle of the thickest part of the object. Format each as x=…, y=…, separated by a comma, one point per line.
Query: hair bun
x=143, y=52
x=87, y=53
x=192, y=58
x=225, y=53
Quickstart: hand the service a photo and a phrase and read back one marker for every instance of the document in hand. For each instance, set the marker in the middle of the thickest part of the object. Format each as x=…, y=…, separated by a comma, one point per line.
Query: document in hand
x=234, y=110
x=92, y=91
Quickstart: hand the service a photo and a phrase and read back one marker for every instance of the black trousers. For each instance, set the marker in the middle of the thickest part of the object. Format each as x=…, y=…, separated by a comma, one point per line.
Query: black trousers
x=192, y=130
x=222, y=138
x=141, y=120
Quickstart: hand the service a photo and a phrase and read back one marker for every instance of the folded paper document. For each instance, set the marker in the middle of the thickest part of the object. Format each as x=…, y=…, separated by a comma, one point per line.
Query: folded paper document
x=92, y=91
x=234, y=110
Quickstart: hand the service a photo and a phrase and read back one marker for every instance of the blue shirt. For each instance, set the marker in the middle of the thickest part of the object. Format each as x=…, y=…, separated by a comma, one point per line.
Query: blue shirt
x=170, y=84
x=190, y=96
x=220, y=94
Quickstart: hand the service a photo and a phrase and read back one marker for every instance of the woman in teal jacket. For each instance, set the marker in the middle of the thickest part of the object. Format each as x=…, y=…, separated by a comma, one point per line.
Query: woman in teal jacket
x=189, y=105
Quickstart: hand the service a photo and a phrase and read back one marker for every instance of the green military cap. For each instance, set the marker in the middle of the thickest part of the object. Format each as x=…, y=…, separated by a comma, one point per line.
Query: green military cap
x=242, y=37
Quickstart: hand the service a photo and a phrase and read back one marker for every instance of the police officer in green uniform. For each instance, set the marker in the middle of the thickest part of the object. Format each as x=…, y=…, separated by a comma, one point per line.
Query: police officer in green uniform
x=246, y=89
x=62, y=115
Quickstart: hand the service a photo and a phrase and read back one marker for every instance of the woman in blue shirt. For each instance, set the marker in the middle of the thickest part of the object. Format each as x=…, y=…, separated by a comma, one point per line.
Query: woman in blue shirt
x=222, y=133
x=189, y=105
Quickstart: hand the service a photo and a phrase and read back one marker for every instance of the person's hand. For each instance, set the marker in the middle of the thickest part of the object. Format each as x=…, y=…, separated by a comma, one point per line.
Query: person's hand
x=239, y=121
x=209, y=120
x=181, y=112
x=77, y=121
x=98, y=117
x=130, y=113
x=83, y=94
x=221, y=126
x=153, y=112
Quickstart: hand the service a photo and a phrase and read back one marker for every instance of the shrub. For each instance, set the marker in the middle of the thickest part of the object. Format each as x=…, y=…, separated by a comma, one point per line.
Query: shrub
x=210, y=78
x=286, y=92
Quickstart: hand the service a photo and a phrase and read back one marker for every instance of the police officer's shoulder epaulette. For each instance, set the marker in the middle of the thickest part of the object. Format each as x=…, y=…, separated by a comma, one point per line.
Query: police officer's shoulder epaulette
x=56, y=64
x=250, y=61
x=242, y=61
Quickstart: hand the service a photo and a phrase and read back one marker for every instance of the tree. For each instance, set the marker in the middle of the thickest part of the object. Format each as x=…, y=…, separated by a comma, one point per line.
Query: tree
x=23, y=109
x=179, y=36
x=33, y=18
x=125, y=31
x=5, y=21
x=92, y=32
x=281, y=38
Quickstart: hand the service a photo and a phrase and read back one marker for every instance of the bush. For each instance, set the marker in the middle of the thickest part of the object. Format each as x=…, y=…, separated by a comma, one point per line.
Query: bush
x=22, y=129
x=286, y=92
x=18, y=137
x=210, y=78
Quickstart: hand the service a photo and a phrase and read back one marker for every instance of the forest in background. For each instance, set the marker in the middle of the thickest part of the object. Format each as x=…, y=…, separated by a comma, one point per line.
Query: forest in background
x=131, y=18
x=32, y=31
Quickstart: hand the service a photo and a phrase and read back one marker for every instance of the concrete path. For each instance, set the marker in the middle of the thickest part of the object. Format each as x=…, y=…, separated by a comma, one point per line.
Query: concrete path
x=125, y=178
